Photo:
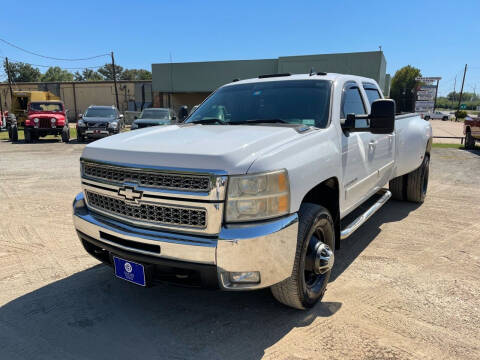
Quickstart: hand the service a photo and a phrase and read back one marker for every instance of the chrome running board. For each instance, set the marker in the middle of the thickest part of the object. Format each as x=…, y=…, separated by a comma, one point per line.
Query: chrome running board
x=355, y=224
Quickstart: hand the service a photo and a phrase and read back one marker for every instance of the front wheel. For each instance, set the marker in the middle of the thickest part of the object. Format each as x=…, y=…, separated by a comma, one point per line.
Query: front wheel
x=65, y=134
x=14, y=132
x=313, y=259
x=28, y=135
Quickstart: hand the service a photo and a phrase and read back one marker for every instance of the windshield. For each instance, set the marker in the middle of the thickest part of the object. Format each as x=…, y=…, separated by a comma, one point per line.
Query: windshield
x=46, y=106
x=154, y=114
x=294, y=102
x=100, y=112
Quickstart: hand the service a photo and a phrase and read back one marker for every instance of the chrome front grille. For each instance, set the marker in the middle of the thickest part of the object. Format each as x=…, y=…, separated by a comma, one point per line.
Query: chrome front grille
x=147, y=177
x=151, y=213
x=94, y=124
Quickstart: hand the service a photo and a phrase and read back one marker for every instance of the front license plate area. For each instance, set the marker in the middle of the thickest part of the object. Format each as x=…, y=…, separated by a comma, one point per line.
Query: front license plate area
x=129, y=271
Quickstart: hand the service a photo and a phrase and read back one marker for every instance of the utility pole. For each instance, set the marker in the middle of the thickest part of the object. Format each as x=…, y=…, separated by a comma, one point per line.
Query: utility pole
x=435, y=101
x=8, y=76
x=454, y=87
x=461, y=93
x=115, y=80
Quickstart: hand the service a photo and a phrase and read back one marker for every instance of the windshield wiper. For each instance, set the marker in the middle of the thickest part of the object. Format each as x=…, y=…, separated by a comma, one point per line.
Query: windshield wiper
x=262, y=121
x=208, y=121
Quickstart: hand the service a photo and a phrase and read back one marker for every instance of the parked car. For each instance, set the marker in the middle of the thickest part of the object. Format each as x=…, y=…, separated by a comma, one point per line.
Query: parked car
x=471, y=129
x=438, y=115
x=260, y=198
x=46, y=118
x=98, y=122
x=153, y=117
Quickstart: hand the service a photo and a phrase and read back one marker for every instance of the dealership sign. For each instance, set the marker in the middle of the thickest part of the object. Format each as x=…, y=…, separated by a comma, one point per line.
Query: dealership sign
x=426, y=94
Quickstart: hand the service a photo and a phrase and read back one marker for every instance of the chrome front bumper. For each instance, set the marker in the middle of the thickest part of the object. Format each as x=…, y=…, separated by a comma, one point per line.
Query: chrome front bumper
x=267, y=247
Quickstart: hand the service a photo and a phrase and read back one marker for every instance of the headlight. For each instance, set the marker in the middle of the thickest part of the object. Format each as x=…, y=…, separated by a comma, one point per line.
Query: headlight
x=36, y=120
x=80, y=123
x=257, y=197
x=113, y=125
x=53, y=120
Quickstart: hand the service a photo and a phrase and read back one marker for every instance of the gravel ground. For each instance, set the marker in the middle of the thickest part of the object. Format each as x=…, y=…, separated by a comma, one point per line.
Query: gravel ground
x=405, y=286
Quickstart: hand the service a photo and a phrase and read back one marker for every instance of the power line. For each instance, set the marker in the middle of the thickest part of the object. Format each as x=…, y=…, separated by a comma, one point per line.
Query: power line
x=66, y=68
x=50, y=57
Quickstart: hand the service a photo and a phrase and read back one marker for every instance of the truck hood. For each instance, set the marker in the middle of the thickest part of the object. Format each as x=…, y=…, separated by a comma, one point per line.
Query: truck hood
x=58, y=116
x=228, y=148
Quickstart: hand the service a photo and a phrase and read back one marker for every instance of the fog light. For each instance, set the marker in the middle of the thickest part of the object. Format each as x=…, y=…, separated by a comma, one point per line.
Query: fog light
x=244, y=277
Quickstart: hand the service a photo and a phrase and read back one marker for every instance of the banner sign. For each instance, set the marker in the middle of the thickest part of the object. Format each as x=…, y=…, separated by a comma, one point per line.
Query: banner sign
x=426, y=94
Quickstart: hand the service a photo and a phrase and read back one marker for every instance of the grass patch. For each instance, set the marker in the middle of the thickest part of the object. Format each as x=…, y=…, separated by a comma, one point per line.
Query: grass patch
x=453, y=146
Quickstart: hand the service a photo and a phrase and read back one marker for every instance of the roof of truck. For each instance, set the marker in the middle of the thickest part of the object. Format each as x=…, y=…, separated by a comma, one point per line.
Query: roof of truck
x=314, y=76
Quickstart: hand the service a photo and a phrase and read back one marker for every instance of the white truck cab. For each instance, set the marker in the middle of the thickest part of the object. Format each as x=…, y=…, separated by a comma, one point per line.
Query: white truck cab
x=256, y=189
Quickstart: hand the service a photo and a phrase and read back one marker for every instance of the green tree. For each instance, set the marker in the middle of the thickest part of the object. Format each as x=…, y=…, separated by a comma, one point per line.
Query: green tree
x=21, y=72
x=55, y=73
x=107, y=71
x=136, y=74
x=87, y=75
x=403, y=87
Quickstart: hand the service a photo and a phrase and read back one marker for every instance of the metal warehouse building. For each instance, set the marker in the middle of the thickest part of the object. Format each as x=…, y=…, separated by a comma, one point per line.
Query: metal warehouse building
x=177, y=84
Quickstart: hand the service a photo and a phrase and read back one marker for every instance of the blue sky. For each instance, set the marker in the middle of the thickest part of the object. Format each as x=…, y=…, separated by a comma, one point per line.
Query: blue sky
x=439, y=37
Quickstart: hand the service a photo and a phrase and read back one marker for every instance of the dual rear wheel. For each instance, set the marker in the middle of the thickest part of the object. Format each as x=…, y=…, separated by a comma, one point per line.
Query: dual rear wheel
x=412, y=186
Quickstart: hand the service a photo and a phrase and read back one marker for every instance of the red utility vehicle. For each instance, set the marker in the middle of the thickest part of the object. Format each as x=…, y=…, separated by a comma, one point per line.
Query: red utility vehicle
x=44, y=118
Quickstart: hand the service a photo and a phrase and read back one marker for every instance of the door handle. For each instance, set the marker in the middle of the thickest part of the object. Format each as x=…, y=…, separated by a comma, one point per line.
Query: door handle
x=372, y=144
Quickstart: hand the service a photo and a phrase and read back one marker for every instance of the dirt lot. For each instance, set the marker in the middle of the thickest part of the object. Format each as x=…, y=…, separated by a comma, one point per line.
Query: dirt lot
x=406, y=285
x=447, y=128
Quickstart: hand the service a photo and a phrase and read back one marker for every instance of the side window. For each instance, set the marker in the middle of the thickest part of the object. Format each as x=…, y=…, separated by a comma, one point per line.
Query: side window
x=352, y=102
x=372, y=93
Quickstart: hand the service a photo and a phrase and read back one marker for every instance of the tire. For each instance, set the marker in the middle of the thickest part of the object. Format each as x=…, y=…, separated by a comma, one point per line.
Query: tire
x=304, y=288
x=80, y=138
x=397, y=188
x=445, y=118
x=14, y=133
x=469, y=141
x=417, y=182
x=28, y=135
x=65, y=134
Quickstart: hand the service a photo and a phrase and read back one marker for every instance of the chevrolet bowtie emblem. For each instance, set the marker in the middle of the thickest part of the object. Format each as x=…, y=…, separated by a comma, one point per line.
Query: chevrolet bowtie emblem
x=130, y=194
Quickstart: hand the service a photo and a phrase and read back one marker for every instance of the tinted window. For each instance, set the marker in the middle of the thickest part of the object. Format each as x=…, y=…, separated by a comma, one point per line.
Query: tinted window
x=372, y=94
x=352, y=102
x=293, y=101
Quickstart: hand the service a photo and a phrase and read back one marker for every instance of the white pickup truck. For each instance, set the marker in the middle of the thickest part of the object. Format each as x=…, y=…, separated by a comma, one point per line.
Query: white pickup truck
x=256, y=189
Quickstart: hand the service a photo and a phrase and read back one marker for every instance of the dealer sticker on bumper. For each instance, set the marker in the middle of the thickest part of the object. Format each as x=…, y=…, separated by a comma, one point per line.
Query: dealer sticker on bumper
x=130, y=271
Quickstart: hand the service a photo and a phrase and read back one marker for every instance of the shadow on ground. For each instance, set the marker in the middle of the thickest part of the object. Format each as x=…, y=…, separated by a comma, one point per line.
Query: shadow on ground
x=93, y=315
x=353, y=246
